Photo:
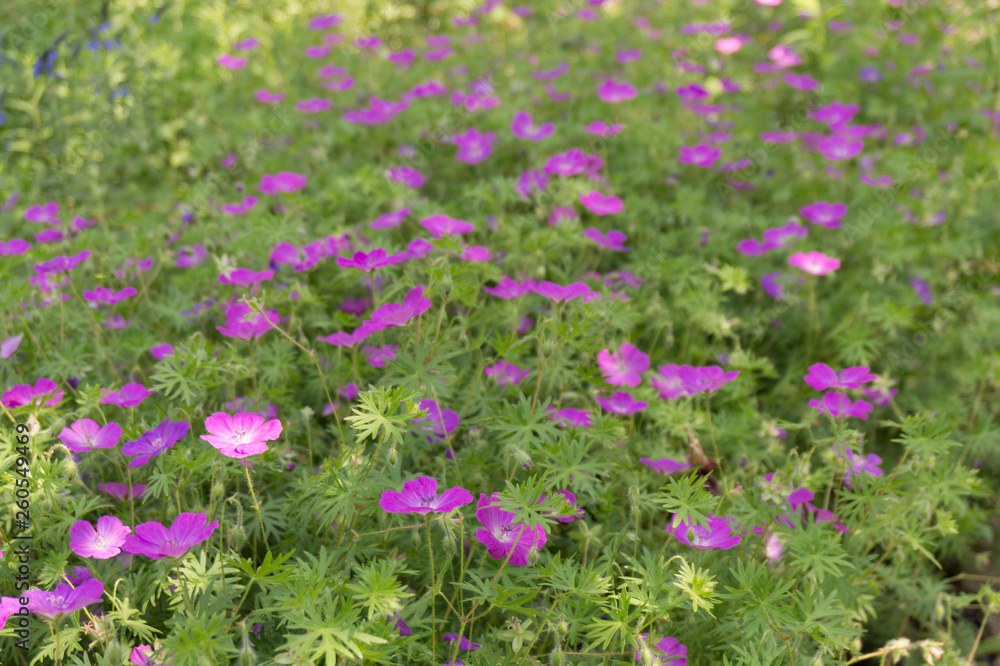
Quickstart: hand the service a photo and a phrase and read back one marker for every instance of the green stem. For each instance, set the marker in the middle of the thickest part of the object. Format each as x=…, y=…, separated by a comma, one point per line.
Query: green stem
x=430, y=552
x=256, y=505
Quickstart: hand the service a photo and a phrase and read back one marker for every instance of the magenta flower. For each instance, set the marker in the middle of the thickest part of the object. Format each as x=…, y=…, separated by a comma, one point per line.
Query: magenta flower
x=398, y=314
x=43, y=213
x=85, y=435
x=245, y=277
x=474, y=147
x=102, y=542
x=13, y=247
x=613, y=92
x=837, y=404
x=240, y=208
x=231, y=62
x=370, y=261
x=390, y=220
x=702, y=155
x=571, y=499
x=502, y=537
x=420, y=496
x=243, y=322
x=869, y=464
x=248, y=44
x=268, y=97
x=839, y=147
x=10, y=345
x=601, y=128
x=61, y=264
x=160, y=352
x=613, y=240
x=476, y=253
x=439, y=422
x=109, y=296
x=442, y=225
x=668, y=380
x=822, y=377
x=579, y=418
x=529, y=181
x=284, y=181
x=121, y=491
x=188, y=257
x=623, y=368
x=325, y=21
x=286, y=254
x=570, y=163
x=523, y=127
x=715, y=534
x=508, y=288
x=64, y=599
x=664, y=465
x=814, y=263
x=824, y=213
x=784, y=236
x=25, y=394
x=377, y=356
x=880, y=395
x=313, y=105
x=835, y=114
x=599, y=204
x=674, y=654
x=156, y=441
x=130, y=395
x=240, y=435
x=463, y=643
x=621, y=403
x=551, y=74
x=155, y=541
x=505, y=373
x=559, y=293
x=704, y=379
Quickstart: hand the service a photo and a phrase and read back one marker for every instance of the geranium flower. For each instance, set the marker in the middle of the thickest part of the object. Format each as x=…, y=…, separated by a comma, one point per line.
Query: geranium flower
x=325, y=22
x=476, y=253
x=283, y=181
x=61, y=264
x=613, y=92
x=245, y=277
x=716, y=533
x=25, y=394
x=664, y=465
x=704, y=379
x=109, y=296
x=188, y=257
x=389, y=220
x=102, y=542
x=130, y=395
x=64, y=599
x=160, y=352
x=442, y=225
x=474, y=147
x=240, y=435
x=122, y=491
x=86, y=435
x=155, y=541
x=530, y=181
x=240, y=208
x=702, y=155
x=880, y=395
x=268, y=97
x=156, y=441
x=369, y=261
x=231, y=62
x=523, y=127
x=439, y=422
x=420, y=496
x=313, y=105
x=551, y=74
x=398, y=314
x=869, y=464
x=508, y=288
x=243, y=322
x=668, y=380
x=502, y=537
x=621, y=403
x=570, y=163
x=623, y=368
x=601, y=128
x=561, y=294
x=835, y=114
x=10, y=345
x=12, y=247
x=824, y=213
x=286, y=254
x=599, y=204
x=822, y=377
x=836, y=404
x=613, y=240
x=43, y=213
x=560, y=213
x=505, y=373
x=838, y=147
x=814, y=263
x=674, y=654
x=377, y=356
x=463, y=643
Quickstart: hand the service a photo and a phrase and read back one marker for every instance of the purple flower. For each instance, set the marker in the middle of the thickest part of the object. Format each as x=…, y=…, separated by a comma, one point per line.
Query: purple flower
x=473, y=147
x=13, y=247
x=313, y=105
x=25, y=394
x=664, y=465
x=398, y=314
x=814, y=262
x=505, y=373
x=613, y=240
x=102, y=542
x=529, y=181
x=130, y=395
x=389, y=220
x=231, y=62
x=240, y=435
x=64, y=599
x=570, y=163
x=668, y=380
x=523, y=127
x=439, y=422
x=377, y=356
x=325, y=21
x=880, y=395
x=85, y=435
x=268, y=97
x=838, y=147
x=463, y=643
x=154, y=442
x=571, y=500
x=704, y=379
x=613, y=92
x=825, y=214
x=155, y=541
x=869, y=464
x=442, y=225
x=923, y=290
x=822, y=377
x=61, y=264
x=835, y=114
x=551, y=74
x=160, y=352
x=508, y=288
x=599, y=204
x=121, y=491
x=575, y=417
x=420, y=496
x=625, y=367
x=559, y=293
x=836, y=404
x=10, y=345
x=240, y=208
x=780, y=236
x=370, y=261
x=243, y=322
x=702, y=155
x=191, y=256
x=674, y=654
x=43, y=213
x=621, y=403
x=715, y=534
x=502, y=537
x=283, y=181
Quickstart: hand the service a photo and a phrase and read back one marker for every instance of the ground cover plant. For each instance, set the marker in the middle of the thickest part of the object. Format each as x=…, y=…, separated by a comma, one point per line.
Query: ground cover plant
x=569, y=332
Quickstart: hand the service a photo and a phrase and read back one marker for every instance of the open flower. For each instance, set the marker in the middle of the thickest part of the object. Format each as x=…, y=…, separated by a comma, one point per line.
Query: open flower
x=613, y=240
x=613, y=92
x=420, y=496
x=671, y=652
x=861, y=465
x=243, y=322
x=715, y=533
x=442, y=225
x=559, y=293
x=64, y=599
x=822, y=377
x=155, y=541
x=523, y=127
x=398, y=314
x=508, y=288
x=668, y=380
x=837, y=404
x=600, y=204
x=704, y=379
x=25, y=394
x=579, y=418
x=102, y=542
x=825, y=214
x=156, y=441
x=505, y=373
x=130, y=395
x=814, y=263
x=664, y=465
x=240, y=435
x=283, y=181
x=623, y=368
x=438, y=422
x=502, y=537
x=369, y=261
x=621, y=403
x=86, y=435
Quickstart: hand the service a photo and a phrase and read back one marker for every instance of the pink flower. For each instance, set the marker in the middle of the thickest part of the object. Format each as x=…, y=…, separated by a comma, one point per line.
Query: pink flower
x=836, y=404
x=130, y=395
x=389, y=220
x=613, y=92
x=248, y=44
x=502, y=537
x=370, y=261
x=704, y=379
x=43, y=213
x=621, y=403
x=728, y=45
x=238, y=209
x=101, y=543
x=240, y=435
x=624, y=368
x=160, y=352
x=835, y=114
x=406, y=175
x=668, y=380
x=524, y=128
x=473, y=147
x=155, y=442
x=664, y=465
x=313, y=105
x=611, y=241
x=25, y=394
x=601, y=128
x=839, y=147
x=155, y=541
x=231, y=62
x=10, y=345
x=715, y=534
x=439, y=422
x=420, y=496
x=599, y=204
x=702, y=155
x=674, y=654
x=571, y=500
x=570, y=163
x=396, y=314
x=243, y=322
x=530, y=180
x=814, y=263
x=14, y=246
x=822, y=377
x=188, y=257
x=869, y=464
x=559, y=293
x=880, y=395
x=442, y=225
x=268, y=97
x=504, y=373
x=283, y=181
x=508, y=288
x=824, y=213
x=64, y=599
x=121, y=491
x=85, y=435
x=325, y=21
x=574, y=417
x=245, y=277
x=476, y=253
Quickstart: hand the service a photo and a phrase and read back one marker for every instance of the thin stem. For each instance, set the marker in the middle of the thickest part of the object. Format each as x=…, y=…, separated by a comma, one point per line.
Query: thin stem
x=430, y=552
x=256, y=505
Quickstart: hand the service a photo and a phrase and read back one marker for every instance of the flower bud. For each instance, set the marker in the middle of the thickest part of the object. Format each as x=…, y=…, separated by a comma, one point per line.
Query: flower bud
x=306, y=412
x=557, y=658
x=237, y=537
x=218, y=489
x=562, y=627
x=392, y=456
x=114, y=653
x=248, y=657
